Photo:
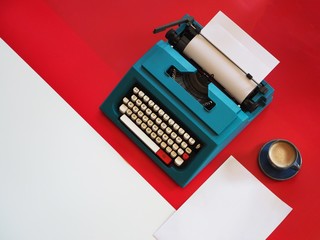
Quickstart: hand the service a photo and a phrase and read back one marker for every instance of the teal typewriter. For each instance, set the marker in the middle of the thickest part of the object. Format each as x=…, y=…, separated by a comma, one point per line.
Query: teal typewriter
x=189, y=96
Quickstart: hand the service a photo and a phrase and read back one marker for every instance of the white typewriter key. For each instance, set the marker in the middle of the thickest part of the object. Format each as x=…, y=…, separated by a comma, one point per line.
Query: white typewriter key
x=191, y=141
x=178, y=140
x=158, y=121
x=135, y=109
x=139, y=133
x=149, y=123
x=188, y=150
x=163, y=126
x=154, y=127
x=133, y=98
x=173, y=154
x=123, y=108
x=140, y=114
x=156, y=108
x=133, y=117
x=163, y=145
x=175, y=147
x=186, y=136
x=168, y=130
x=148, y=111
x=150, y=103
x=128, y=112
x=170, y=122
x=143, y=126
x=181, y=131
x=168, y=149
x=180, y=151
x=160, y=132
x=136, y=90
x=143, y=107
x=138, y=102
x=175, y=127
x=160, y=112
x=148, y=130
x=170, y=141
x=173, y=135
x=184, y=145
x=138, y=121
x=141, y=94
x=178, y=161
x=153, y=116
x=166, y=117
x=158, y=140
x=145, y=118
x=125, y=100
x=146, y=98
x=198, y=146
x=165, y=137
x=130, y=104
x=153, y=135
x=146, y=139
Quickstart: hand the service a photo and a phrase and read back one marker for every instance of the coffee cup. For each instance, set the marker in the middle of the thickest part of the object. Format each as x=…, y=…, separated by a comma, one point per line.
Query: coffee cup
x=283, y=155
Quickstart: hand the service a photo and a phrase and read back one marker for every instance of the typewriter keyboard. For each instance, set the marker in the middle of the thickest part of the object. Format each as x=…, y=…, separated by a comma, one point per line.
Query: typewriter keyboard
x=156, y=129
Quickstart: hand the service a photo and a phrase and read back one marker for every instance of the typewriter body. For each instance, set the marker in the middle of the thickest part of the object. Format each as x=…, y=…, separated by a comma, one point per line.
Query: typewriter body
x=176, y=110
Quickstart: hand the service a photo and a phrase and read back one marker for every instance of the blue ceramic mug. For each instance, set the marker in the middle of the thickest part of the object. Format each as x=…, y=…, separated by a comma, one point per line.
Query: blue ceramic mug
x=283, y=155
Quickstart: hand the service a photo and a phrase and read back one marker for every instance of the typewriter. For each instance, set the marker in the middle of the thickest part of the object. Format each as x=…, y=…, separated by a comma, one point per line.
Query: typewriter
x=189, y=96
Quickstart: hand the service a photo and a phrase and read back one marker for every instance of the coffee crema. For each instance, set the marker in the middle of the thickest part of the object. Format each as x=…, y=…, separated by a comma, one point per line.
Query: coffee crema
x=282, y=154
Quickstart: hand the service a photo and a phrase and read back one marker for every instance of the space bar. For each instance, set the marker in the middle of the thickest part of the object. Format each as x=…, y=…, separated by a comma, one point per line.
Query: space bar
x=145, y=139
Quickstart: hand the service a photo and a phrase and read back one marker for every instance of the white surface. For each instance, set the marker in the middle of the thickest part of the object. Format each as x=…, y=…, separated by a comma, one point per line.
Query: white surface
x=231, y=204
x=241, y=48
x=58, y=178
x=225, y=72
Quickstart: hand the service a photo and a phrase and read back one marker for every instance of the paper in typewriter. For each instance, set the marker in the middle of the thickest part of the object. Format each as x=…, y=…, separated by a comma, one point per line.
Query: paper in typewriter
x=241, y=48
x=232, y=204
x=226, y=51
x=58, y=178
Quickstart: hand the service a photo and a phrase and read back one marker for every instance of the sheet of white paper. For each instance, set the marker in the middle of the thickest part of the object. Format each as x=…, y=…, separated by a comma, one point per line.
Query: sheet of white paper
x=241, y=48
x=58, y=178
x=231, y=204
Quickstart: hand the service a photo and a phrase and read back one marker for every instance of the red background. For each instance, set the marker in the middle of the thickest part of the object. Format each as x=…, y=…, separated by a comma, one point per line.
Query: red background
x=83, y=48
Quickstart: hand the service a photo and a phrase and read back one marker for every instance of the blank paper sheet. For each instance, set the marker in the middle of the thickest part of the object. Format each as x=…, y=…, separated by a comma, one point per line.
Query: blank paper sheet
x=231, y=204
x=59, y=179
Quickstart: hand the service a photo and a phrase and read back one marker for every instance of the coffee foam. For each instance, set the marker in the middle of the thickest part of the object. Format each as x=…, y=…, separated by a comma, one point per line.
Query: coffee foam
x=282, y=154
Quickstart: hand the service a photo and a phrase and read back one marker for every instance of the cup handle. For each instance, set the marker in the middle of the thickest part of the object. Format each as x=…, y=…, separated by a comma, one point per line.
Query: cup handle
x=296, y=166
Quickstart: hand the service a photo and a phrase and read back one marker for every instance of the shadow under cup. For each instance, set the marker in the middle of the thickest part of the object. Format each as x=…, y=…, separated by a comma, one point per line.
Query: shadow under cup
x=282, y=155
